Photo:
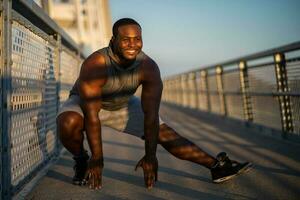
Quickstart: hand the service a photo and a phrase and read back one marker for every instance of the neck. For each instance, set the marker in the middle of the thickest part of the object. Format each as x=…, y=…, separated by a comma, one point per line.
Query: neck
x=124, y=63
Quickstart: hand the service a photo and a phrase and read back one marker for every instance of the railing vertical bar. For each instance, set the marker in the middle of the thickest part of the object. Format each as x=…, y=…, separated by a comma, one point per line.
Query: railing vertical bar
x=185, y=90
x=6, y=63
x=247, y=105
x=172, y=90
x=58, y=49
x=193, y=90
x=172, y=97
x=206, y=89
x=167, y=88
x=1, y=91
x=179, y=90
x=284, y=100
x=220, y=87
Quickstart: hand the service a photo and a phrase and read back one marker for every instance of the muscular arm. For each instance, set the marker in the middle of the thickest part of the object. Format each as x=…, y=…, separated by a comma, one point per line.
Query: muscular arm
x=151, y=95
x=91, y=79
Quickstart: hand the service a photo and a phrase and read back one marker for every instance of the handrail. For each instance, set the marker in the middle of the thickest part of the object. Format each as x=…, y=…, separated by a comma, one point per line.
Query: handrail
x=265, y=93
x=285, y=48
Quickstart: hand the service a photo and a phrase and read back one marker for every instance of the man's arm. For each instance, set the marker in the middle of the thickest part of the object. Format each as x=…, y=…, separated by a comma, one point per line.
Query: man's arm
x=91, y=79
x=151, y=94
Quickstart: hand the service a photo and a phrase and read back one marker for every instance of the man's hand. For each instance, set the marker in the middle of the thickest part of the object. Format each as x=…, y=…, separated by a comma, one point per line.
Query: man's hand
x=150, y=166
x=93, y=176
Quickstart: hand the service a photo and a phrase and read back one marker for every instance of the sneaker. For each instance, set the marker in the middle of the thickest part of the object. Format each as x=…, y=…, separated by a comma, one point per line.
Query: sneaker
x=226, y=169
x=80, y=167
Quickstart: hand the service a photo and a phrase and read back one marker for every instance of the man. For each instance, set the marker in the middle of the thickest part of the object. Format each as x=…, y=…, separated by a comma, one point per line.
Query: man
x=104, y=95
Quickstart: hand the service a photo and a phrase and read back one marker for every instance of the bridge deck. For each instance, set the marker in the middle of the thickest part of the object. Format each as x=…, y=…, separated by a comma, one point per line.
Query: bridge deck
x=276, y=174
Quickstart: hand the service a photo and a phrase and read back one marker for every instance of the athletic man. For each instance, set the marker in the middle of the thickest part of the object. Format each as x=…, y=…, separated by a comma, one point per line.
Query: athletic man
x=104, y=95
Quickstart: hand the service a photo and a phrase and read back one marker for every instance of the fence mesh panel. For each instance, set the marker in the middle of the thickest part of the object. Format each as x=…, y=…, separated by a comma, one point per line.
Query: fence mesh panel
x=33, y=101
x=266, y=110
x=293, y=74
x=202, y=93
x=69, y=71
x=214, y=97
x=234, y=102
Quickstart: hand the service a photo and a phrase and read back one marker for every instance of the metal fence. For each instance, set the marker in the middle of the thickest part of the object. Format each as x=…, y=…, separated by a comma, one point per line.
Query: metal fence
x=39, y=63
x=263, y=89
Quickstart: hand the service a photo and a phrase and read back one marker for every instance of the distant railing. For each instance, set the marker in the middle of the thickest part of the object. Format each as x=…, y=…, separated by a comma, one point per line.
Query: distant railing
x=263, y=89
x=39, y=64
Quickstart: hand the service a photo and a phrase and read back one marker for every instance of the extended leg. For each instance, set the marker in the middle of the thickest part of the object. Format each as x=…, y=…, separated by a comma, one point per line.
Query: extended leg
x=222, y=168
x=182, y=148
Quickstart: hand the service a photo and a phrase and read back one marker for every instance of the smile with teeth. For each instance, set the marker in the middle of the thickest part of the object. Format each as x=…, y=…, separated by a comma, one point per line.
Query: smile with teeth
x=130, y=51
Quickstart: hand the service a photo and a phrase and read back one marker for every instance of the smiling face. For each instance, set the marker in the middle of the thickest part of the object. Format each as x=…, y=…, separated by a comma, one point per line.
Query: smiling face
x=128, y=42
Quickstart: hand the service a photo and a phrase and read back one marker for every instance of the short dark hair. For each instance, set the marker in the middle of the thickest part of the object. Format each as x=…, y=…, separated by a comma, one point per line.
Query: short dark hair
x=122, y=22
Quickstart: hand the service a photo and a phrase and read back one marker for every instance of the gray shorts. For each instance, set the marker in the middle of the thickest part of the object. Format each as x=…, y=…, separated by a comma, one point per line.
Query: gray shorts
x=129, y=119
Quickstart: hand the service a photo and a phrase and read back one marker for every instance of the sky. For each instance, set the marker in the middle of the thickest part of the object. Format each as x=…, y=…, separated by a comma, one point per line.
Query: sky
x=181, y=35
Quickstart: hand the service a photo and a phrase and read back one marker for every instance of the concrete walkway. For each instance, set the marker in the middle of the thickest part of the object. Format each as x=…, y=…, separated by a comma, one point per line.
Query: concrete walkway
x=276, y=174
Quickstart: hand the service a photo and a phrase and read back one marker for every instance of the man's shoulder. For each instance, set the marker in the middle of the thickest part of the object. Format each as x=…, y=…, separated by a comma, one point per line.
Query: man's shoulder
x=93, y=67
x=149, y=68
x=102, y=51
x=96, y=59
x=148, y=62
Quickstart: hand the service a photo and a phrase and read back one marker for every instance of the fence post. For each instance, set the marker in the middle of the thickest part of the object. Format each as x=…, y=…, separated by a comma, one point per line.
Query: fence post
x=284, y=100
x=193, y=90
x=6, y=62
x=244, y=81
x=1, y=91
x=185, y=90
x=173, y=96
x=58, y=145
x=220, y=88
x=166, y=90
x=163, y=94
x=204, y=83
x=179, y=90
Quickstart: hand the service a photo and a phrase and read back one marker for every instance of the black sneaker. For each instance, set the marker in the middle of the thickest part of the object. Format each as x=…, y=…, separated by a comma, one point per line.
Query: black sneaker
x=80, y=168
x=226, y=169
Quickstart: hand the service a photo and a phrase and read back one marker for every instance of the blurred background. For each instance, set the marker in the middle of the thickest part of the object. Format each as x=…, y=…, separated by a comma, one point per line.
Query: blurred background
x=183, y=35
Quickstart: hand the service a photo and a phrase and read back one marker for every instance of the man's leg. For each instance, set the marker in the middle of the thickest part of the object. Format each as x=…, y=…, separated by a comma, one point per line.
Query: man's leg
x=182, y=148
x=222, y=168
x=70, y=129
x=168, y=138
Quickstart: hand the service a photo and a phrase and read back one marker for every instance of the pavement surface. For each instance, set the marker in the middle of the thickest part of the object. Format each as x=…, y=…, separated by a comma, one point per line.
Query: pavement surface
x=275, y=175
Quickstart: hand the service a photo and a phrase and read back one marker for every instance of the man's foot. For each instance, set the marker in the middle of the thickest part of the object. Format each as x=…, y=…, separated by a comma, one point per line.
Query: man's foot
x=226, y=169
x=80, y=168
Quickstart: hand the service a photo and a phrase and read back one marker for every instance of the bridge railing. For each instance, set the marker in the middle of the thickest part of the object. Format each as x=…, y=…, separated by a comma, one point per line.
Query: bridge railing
x=262, y=89
x=39, y=64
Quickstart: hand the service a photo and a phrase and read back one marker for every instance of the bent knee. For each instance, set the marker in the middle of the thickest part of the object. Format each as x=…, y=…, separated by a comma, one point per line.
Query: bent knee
x=68, y=123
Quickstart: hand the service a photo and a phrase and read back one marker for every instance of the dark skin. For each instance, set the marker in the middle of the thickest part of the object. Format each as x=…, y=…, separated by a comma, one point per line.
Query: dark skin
x=93, y=76
x=126, y=45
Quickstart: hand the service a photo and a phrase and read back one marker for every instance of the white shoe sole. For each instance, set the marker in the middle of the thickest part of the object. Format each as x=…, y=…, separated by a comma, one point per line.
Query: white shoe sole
x=246, y=168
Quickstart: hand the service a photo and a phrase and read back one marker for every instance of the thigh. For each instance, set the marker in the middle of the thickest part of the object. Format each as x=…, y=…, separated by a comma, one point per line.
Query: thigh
x=129, y=120
x=71, y=104
x=135, y=122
